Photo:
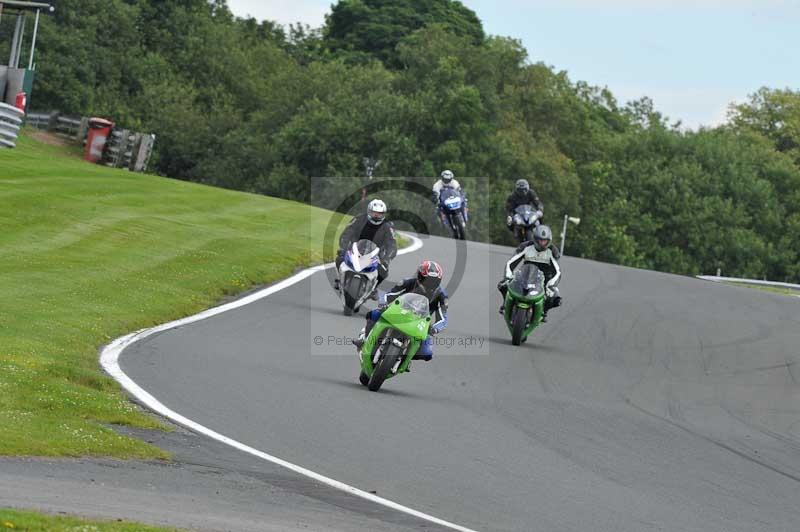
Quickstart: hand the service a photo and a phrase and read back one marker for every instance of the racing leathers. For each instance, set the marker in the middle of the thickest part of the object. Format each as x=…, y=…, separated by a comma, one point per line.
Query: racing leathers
x=438, y=310
x=546, y=261
x=437, y=188
x=381, y=234
x=553, y=248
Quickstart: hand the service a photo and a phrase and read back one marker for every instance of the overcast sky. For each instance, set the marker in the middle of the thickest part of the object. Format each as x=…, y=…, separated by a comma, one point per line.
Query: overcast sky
x=692, y=57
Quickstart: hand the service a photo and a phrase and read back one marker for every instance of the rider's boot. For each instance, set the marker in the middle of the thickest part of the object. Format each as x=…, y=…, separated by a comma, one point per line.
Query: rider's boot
x=362, y=336
x=548, y=304
x=358, y=342
x=336, y=284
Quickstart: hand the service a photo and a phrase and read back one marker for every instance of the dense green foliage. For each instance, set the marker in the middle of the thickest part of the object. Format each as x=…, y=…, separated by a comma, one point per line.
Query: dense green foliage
x=253, y=106
x=365, y=29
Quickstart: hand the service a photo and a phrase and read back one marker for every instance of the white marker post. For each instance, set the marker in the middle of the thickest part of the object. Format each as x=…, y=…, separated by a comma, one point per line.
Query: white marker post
x=567, y=218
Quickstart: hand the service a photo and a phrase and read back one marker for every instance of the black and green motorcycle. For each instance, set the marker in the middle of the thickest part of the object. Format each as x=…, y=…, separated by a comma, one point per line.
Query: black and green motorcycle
x=524, y=303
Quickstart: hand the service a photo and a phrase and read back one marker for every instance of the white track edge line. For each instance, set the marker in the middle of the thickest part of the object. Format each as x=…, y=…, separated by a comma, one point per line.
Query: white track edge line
x=109, y=359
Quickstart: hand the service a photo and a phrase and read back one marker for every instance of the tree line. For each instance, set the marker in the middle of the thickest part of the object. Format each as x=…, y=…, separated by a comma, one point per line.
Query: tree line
x=258, y=107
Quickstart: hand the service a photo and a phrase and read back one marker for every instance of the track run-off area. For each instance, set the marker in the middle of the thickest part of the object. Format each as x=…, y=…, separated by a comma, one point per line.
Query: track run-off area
x=648, y=401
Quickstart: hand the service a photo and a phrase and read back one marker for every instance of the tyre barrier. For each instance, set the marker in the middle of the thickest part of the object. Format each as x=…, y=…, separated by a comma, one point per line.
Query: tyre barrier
x=10, y=122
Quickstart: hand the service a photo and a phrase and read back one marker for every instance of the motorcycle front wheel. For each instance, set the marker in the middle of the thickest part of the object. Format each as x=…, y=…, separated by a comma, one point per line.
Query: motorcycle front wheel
x=381, y=372
x=520, y=233
x=352, y=292
x=462, y=227
x=519, y=320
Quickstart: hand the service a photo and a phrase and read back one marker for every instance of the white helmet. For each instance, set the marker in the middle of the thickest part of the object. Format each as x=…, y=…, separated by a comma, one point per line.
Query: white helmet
x=376, y=211
x=447, y=176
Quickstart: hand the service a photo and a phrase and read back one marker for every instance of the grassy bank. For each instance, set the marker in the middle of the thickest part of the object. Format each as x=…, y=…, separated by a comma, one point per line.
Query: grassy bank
x=773, y=289
x=35, y=522
x=89, y=254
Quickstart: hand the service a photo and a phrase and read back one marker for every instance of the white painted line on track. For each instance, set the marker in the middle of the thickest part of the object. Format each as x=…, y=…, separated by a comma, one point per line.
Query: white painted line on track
x=109, y=359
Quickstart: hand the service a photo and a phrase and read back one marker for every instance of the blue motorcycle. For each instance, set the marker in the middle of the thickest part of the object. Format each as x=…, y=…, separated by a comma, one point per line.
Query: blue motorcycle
x=524, y=221
x=453, y=211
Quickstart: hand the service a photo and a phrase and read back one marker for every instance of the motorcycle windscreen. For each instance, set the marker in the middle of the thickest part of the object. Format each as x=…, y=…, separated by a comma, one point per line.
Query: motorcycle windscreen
x=450, y=198
x=525, y=212
x=363, y=256
x=528, y=281
x=409, y=313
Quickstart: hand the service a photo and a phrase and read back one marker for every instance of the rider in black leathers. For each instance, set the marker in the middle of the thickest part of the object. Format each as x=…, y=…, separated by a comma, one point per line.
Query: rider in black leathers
x=370, y=226
x=523, y=195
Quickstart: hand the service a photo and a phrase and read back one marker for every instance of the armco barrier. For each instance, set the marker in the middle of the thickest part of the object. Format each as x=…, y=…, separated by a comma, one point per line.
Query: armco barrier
x=10, y=122
x=737, y=280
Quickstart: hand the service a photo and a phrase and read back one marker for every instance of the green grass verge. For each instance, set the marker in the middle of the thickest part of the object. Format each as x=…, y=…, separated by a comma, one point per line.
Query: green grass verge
x=34, y=522
x=773, y=289
x=402, y=241
x=90, y=254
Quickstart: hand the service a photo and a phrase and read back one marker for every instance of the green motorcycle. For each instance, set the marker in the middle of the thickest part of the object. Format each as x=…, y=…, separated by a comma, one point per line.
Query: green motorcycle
x=394, y=339
x=524, y=303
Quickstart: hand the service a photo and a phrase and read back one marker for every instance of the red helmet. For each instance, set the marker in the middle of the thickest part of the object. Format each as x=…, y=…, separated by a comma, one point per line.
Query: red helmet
x=429, y=275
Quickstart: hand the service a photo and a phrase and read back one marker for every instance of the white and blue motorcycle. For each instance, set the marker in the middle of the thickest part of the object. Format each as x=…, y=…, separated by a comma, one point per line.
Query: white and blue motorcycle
x=453, y=211
x=358, y=274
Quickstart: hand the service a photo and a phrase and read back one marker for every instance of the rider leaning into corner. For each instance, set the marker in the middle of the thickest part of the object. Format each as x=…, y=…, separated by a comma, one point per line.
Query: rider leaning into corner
x=427, y=283
x=446, y=179
x=523, y=195
x=373, y=226
x=541, y=253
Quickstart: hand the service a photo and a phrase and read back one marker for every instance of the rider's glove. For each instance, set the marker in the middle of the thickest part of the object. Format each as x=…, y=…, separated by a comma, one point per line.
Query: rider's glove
x=550, y=289
x=539, y=214
x=509, y=219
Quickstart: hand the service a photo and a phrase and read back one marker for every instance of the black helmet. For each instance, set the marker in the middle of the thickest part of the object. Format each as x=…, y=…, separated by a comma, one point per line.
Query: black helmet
x=522, y=187
x=542, y=236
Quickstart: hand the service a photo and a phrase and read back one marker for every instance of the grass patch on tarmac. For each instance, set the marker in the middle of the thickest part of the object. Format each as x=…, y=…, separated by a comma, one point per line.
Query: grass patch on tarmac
x=35, y=522
x=90, y=254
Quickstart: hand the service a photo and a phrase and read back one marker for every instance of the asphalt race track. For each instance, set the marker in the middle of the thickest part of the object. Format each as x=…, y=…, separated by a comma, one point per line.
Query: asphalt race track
x=647, y=402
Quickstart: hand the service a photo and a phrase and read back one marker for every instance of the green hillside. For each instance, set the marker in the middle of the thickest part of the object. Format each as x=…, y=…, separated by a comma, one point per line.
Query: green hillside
x=90, y=254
